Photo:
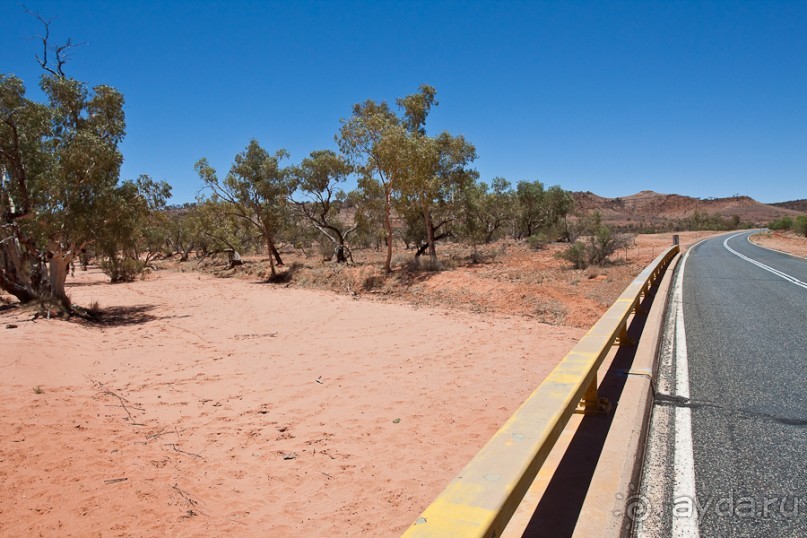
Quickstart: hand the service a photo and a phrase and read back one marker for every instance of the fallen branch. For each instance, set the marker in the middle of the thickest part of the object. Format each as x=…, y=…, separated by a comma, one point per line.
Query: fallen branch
x=191, y=502
x=123, y=401
x=185, y=495
x=158, y=434
x=174, y=446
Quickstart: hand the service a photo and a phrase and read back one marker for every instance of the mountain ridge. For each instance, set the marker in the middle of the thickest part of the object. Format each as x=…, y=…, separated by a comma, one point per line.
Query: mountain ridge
x=653, y=208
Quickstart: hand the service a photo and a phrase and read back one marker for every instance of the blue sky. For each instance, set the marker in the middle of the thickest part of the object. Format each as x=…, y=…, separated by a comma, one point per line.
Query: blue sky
x=696, y=98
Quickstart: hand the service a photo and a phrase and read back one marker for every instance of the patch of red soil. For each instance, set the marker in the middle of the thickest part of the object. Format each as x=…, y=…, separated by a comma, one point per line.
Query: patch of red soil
x=787, y=242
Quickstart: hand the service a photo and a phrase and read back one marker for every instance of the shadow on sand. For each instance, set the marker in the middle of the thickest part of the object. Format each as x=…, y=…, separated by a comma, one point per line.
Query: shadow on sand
x=118, y=316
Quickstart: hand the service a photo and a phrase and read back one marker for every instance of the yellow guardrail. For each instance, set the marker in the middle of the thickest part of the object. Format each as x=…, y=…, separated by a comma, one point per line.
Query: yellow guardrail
x=482, y=498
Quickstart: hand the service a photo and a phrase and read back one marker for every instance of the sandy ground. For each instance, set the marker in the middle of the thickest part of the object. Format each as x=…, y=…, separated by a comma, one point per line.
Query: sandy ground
x=211, y=406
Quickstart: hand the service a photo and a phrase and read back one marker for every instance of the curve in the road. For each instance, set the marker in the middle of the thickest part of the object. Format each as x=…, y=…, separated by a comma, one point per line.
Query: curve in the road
x=781, y=274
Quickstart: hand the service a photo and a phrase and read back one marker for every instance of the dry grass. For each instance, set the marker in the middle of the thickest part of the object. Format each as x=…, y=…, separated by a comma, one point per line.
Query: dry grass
x=504, y=278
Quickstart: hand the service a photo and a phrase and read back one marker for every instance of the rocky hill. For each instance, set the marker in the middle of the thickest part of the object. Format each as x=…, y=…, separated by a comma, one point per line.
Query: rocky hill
x=795, y=205
x=652, y=209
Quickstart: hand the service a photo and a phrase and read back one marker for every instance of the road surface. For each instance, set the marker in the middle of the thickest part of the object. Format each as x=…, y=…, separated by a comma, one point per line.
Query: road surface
x=727, y=447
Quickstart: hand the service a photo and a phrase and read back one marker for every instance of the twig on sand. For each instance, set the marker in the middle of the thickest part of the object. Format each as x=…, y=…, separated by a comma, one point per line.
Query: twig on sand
x=115, y=480
x=194, y=504
x=158, y=434
x=123, y=401
x=185, y=495
x=174, y=446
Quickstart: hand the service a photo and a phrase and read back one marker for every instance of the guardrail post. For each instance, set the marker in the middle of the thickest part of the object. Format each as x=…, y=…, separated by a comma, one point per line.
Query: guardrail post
x=624, y=339
x=592, y=404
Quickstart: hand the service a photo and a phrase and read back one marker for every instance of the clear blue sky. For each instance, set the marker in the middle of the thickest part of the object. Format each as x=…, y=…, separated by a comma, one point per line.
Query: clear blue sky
x=695, y=98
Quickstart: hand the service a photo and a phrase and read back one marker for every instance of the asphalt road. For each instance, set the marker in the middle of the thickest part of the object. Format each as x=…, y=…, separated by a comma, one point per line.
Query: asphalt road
x=727, y=451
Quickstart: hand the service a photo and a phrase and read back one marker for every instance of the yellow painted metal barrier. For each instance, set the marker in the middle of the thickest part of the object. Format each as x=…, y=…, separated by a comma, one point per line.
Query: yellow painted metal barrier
x=482, y=498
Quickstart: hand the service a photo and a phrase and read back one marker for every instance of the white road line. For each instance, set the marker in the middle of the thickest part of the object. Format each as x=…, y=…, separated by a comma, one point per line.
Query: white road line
x=685, y=514
x=761, y=265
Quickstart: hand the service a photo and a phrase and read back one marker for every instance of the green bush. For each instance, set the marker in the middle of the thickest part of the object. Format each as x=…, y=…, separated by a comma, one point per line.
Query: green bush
x=538, y=241
x=800, y=226
x=577, y=253
x=594, y=249
x=785, y=223
x=122, y=269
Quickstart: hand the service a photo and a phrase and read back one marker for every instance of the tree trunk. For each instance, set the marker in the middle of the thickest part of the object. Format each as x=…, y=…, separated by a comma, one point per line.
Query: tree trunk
x=20, y=266
x=59, y=267
x=427, y=219
x=272, y=250
x=185, y=252
x=234, y=258
x=388, y=227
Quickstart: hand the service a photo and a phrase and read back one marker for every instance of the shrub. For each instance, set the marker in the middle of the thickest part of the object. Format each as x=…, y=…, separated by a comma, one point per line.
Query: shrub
x=577, y=254
x=800, y=226
x=785, y=223
x=538, y=241
x=594, y=249
x=122, y=269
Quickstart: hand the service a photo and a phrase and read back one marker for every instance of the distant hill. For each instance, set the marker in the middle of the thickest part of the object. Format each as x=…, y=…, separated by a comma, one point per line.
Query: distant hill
x=652, y=208
x=795, y=205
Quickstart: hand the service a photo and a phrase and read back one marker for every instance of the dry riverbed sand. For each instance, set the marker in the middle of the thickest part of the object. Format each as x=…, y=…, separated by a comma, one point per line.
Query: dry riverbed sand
x=211, y=406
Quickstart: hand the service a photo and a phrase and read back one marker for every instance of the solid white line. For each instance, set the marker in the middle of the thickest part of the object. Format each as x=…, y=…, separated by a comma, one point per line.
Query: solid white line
x=761, y=265
x=685, y=514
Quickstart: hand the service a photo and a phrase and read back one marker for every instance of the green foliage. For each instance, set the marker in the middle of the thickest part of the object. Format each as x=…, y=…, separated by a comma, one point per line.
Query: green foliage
x=370, y=139
x=122, y=269
x=256, y=190
x=577, y=254
x=368, y=204
x=319, y=178
x=538, y=241
x=417, y=172
x=785, y=223
x=800, y=226
x=59, y=191
x=594, y=242
x=539, y=208
x=134, y=226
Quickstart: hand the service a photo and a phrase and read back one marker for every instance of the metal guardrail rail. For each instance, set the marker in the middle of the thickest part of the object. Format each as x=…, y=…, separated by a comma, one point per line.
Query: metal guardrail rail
x=482, y=498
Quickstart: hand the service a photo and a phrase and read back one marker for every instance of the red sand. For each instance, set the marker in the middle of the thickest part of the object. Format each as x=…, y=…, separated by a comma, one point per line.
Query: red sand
x=227, y=407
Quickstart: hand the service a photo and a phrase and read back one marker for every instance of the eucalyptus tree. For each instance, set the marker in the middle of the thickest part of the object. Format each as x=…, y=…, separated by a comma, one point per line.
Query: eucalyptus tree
x=319, y=178
x=132, y=218
x=539, y=208
x=59, y=164
x=487, y=209
x=368, y=204
x=371, y=139
x=531, y=199
x=435, y=168
x=256, y=190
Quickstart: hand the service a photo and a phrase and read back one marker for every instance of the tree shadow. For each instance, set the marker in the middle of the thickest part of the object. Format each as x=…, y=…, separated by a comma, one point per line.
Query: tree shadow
x=284, y=277
x=9, y=307
x=84, y=283
x=117, y=316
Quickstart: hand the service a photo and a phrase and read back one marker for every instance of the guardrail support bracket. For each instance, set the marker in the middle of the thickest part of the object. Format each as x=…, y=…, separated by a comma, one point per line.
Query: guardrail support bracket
x=592, y=403
x=623, y=339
